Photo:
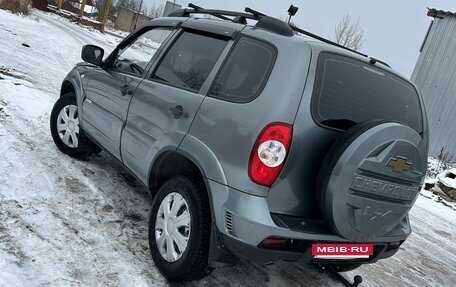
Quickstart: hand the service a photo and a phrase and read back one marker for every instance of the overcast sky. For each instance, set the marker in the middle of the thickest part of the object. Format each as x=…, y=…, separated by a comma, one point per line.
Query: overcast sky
x=393, y=29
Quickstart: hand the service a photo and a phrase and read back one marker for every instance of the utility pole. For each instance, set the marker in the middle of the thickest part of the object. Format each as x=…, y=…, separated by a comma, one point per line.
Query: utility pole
x=137, y=15
x=105, y=15
x=82, y=8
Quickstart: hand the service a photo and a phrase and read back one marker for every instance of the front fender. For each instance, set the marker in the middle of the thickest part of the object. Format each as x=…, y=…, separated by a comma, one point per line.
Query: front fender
x=73, y=83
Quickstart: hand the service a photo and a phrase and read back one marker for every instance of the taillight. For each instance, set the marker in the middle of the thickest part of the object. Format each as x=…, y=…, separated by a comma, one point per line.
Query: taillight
x=269, y=153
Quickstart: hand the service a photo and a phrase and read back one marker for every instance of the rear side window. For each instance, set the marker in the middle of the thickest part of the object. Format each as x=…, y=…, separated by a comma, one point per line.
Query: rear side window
x=348, y=91
x=246, y=71
x=189, y=61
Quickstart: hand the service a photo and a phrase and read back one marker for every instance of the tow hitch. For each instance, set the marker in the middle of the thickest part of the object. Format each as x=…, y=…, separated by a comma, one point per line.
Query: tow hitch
x=356, y=280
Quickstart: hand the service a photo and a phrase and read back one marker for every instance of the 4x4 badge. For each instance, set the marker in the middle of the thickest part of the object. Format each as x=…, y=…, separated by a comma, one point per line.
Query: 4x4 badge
x=400, y=164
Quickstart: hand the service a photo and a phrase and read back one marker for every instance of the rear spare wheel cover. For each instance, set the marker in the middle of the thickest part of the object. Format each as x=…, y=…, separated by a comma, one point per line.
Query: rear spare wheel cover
x=374, y=181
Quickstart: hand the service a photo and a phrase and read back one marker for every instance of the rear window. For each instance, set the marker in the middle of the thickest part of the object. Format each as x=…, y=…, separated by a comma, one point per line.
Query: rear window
x=246, y=71
x=348, y=91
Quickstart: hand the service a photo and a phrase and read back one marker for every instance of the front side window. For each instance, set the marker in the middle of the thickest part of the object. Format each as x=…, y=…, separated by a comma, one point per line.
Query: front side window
x=245, y=72
x=189, y=61
x=134, y=58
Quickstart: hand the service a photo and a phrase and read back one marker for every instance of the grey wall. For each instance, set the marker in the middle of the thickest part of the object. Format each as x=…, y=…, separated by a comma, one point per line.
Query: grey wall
x=125, y=20
x=435, y=76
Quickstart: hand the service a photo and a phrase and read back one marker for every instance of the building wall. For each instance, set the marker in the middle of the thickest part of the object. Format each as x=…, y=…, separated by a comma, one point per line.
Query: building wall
x=435, y=76
x=125, y=20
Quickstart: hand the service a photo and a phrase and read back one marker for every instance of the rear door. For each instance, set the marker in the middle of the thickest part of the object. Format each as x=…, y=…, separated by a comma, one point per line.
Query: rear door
x=110, y=89
x=165, y=103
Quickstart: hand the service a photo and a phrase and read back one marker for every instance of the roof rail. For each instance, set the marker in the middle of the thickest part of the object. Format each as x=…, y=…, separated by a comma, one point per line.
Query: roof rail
x=263, y=21
x=201, y=8
x=307, y=33
x=216, y=13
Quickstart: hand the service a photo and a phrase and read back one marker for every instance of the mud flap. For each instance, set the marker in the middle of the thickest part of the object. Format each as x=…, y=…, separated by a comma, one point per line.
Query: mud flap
x=219, y=256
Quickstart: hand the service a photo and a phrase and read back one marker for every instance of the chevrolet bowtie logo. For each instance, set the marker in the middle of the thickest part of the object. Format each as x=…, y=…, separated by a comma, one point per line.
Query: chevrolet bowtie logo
x=400, y=164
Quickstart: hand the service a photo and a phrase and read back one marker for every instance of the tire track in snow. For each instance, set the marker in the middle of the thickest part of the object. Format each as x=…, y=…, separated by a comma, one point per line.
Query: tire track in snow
x=93, y=212
x=79, y=34
x=66, y=211
x=91, y=227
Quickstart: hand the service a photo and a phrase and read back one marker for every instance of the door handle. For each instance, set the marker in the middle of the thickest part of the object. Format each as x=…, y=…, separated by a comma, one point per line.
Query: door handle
x=126, y=90
x=177, y=111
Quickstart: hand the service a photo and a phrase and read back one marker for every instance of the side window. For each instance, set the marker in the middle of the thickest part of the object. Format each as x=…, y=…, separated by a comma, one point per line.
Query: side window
x=134, y=58
x=189, y=61
x=246, y=71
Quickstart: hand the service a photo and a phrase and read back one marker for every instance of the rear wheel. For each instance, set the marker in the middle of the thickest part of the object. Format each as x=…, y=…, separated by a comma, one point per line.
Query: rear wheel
x=66, y=132
x=179, y=230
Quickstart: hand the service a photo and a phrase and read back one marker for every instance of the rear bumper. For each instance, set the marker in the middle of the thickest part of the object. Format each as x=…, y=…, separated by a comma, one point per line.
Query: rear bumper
x=244, y=221
x=303, y=254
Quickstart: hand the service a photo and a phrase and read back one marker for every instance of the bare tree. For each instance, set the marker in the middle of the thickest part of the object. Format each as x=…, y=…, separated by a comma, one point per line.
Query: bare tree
x=100, y=5
x=349, y=34
x=155, y=11
x=129, y=4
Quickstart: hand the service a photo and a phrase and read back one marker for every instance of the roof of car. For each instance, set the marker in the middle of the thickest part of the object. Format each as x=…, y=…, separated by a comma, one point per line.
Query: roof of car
x=263, y=21
x=229, y=26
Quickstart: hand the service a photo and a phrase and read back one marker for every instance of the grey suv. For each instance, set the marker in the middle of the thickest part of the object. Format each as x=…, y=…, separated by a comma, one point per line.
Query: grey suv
x=255, y=141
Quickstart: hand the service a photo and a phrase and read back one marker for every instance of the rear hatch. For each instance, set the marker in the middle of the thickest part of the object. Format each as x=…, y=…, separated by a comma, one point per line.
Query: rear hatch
x=345, y=93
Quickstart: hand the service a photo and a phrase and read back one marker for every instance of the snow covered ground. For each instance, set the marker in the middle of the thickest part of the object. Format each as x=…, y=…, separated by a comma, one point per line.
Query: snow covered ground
x=65, y=222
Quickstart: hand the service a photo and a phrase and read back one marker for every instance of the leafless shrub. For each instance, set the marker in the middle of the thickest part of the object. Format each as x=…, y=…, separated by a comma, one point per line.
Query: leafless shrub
x=349, y=34
x=16, y=6
x=444, y=160
x=155, y=11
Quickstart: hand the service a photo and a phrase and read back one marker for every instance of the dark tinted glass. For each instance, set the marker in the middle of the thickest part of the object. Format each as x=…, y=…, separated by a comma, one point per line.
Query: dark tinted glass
x=348, y=92
x=189, y=61
x=245, y=72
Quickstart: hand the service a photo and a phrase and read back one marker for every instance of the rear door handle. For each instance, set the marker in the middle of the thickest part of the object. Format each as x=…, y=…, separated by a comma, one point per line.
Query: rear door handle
x=126, y=90
x=177, y=111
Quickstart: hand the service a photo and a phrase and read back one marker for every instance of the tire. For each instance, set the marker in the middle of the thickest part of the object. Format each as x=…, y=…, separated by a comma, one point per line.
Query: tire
x=70, y=138
x=334, y=153
x=361, y=187
x=189, y=262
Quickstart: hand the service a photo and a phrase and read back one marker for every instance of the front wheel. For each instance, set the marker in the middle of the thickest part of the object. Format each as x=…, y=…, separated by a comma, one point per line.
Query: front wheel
x=66, y=133
x=179, y=230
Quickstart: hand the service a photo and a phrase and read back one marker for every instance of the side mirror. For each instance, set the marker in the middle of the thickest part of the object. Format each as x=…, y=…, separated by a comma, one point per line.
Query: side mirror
x=92, y=54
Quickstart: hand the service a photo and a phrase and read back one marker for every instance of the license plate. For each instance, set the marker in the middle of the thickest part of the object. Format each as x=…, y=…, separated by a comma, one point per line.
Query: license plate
x=342, y=250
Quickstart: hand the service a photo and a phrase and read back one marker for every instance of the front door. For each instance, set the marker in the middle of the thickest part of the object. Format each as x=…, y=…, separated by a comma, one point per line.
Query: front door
x=109, y=90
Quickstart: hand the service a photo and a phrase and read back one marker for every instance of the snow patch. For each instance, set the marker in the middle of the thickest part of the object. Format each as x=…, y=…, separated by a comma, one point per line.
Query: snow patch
x=65, y=222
